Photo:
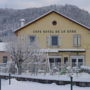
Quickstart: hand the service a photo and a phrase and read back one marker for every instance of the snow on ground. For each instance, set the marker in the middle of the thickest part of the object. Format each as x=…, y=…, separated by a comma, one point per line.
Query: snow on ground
x=26, y=85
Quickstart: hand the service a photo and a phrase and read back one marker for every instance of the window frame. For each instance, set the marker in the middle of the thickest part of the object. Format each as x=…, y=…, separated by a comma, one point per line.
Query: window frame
x=5, y=59
x=77, y=60
x=33, y=40
x=52, y=41
x=77, y=40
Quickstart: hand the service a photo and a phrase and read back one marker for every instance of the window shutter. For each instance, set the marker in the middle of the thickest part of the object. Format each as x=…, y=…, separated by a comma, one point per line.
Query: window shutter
x=27, y=39
x=59, y=40
x=75, y=40
x=49, y=40
x=36, y=38
x=38, y=44
x=79, y=40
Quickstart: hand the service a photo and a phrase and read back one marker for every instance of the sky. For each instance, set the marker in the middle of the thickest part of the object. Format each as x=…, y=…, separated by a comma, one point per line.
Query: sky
x=21, y=4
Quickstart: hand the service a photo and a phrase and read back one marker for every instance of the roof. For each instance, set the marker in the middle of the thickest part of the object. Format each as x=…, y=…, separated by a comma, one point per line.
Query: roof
x=2, y=46
x=48, y=14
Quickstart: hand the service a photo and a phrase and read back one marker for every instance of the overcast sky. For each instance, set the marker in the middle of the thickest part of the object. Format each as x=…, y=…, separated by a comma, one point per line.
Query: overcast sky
x=21, y=4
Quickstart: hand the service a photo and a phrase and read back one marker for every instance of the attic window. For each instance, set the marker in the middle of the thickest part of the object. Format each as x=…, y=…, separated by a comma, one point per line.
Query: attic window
x=54, y=22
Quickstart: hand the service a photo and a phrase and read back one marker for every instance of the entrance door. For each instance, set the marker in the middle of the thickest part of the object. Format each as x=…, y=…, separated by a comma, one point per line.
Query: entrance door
x=77, y=61
x=55, y=62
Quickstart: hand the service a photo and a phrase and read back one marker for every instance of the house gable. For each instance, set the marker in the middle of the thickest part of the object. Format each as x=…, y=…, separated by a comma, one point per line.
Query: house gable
x=53, y=14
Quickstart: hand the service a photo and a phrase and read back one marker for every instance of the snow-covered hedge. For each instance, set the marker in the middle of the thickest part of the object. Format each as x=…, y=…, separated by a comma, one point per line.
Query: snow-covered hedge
x=86, y=68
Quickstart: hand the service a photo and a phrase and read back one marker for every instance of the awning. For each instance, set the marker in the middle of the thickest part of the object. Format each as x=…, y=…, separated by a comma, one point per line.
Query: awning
x=62, y=50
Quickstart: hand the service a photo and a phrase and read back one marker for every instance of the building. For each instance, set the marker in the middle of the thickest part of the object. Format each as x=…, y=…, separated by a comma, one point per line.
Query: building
x=65, y=40
x=4, y=56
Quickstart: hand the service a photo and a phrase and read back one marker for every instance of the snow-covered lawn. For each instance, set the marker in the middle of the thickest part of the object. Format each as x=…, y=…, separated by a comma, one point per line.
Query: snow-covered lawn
x=26, y=85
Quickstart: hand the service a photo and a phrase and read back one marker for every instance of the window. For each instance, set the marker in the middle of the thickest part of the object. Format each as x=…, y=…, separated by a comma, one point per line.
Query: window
x=65, y=60
x=5, y=58
x=1, y=40
x=54, y=40
x=73, y=62
x=77, y=40
x=80, y=62
x=55, y=62
x=77, y=61
x=32, y=38
x=54, y=22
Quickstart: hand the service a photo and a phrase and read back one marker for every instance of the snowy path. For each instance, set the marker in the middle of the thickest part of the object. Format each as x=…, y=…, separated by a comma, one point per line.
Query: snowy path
x=21, y=85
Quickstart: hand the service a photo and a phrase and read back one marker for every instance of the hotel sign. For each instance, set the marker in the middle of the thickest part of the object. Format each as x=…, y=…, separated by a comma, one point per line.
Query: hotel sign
x=54, y=31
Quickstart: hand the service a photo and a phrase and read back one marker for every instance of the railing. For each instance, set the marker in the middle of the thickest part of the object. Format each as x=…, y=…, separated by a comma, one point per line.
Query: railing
x=4, y=67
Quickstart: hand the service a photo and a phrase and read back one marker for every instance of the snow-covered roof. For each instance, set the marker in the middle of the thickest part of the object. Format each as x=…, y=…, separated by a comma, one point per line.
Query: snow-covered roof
x=62, y=50
x=2, y=46
x=49, y=13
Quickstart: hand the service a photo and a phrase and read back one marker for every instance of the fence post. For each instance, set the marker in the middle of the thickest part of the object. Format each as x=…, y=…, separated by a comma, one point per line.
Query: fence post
x=71, y=82
x=9, y=78
x=0, y=83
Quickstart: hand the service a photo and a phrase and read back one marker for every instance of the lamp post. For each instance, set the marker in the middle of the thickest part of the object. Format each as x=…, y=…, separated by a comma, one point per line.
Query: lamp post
x=71, y=79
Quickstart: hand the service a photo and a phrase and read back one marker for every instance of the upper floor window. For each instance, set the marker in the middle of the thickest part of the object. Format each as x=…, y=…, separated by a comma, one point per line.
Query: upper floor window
x=32, y=39
x=77, y=40
x=54, y=40
x=5, y=58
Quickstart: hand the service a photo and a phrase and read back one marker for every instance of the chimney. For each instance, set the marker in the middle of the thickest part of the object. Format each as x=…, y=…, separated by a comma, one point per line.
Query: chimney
x=22, y=22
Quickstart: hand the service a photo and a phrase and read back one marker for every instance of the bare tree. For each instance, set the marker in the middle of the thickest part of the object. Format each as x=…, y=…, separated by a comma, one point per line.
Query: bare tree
x=25, y=55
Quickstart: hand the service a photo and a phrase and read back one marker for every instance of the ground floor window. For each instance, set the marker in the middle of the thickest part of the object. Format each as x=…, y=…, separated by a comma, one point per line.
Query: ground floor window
x=55, y=62
x=77, y=61
x=5, y=58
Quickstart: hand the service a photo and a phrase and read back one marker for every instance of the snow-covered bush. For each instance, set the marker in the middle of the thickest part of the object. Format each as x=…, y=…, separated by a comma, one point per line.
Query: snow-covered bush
x=85, y=69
